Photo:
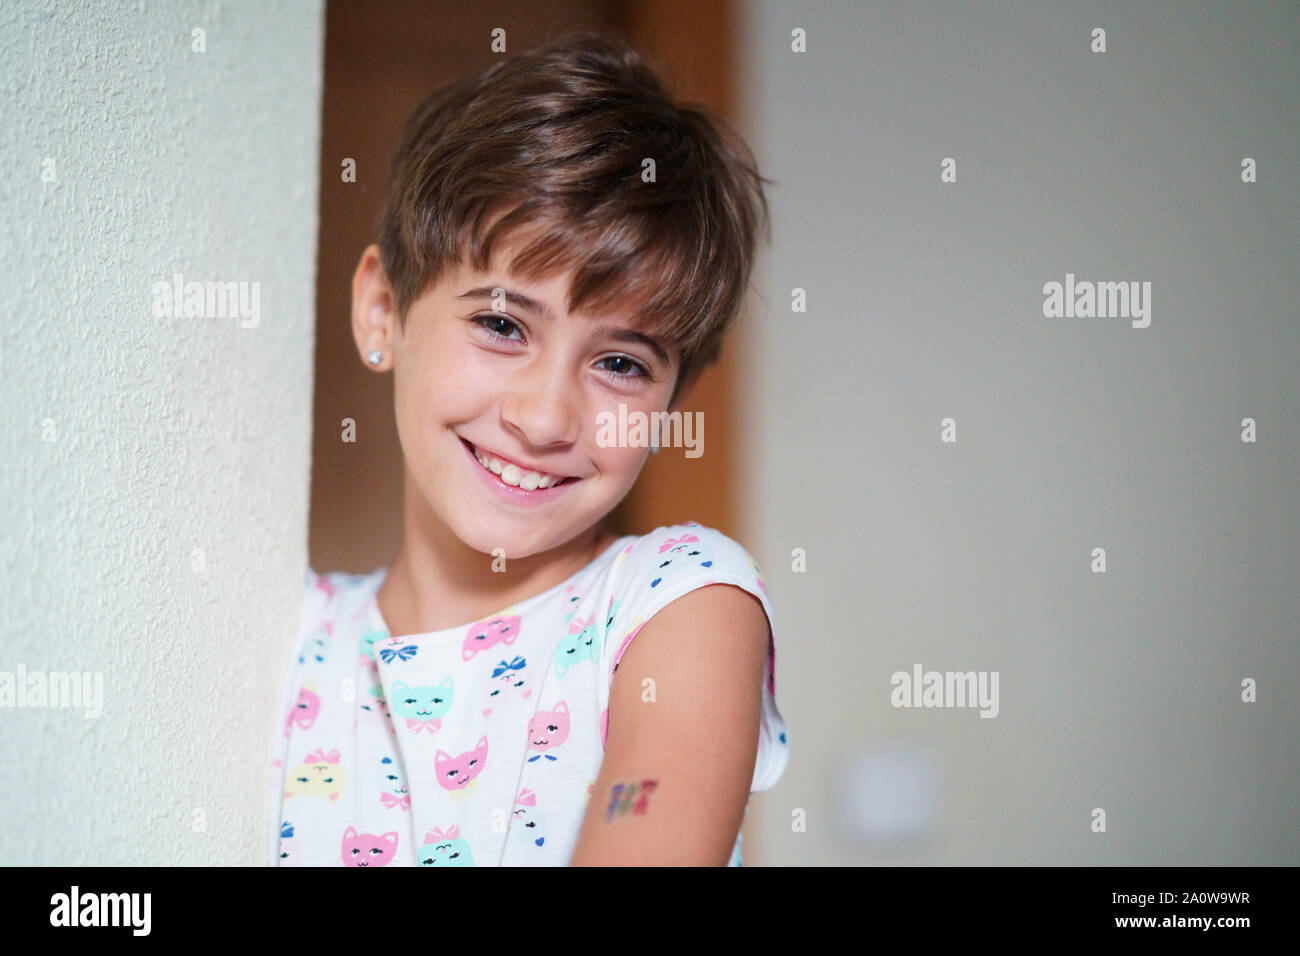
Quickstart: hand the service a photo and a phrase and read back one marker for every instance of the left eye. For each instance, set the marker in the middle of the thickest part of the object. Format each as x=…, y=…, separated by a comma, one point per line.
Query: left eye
x=624, y=367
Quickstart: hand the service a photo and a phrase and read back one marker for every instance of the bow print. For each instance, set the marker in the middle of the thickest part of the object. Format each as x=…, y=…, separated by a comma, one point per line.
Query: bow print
x=673, y=542
x=415, y=725
x=514, y=665
x=402, y=653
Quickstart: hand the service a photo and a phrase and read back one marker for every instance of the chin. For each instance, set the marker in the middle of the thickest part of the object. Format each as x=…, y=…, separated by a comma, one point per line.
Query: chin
x=516, y=537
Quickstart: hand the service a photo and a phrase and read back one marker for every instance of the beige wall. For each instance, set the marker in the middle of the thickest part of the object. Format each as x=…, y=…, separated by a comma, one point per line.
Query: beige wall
x=1118, y=690
x=154, y=488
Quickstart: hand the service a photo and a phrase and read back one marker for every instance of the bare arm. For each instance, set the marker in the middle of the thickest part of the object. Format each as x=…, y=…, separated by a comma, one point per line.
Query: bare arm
x=695, y=744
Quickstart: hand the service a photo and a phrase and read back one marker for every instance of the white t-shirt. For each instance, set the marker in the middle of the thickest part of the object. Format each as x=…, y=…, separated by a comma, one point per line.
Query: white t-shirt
x=477, y=745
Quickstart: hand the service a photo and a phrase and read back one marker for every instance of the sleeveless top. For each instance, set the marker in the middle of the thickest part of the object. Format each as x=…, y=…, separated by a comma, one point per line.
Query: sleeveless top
x=478, y=745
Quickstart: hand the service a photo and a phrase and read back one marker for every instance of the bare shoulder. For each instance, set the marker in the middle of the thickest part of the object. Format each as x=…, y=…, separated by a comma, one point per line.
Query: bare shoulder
x=717, y=622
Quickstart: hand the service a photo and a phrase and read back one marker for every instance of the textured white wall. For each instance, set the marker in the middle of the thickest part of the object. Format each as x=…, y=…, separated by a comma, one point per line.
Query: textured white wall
x=1117, y=690
x=131, y=440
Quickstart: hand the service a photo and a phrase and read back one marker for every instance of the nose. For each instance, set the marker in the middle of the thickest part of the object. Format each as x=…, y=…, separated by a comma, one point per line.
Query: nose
x=540, y=406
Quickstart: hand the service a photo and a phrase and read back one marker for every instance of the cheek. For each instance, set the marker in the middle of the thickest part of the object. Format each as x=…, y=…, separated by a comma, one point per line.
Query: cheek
x=443, y=383
x=620, y=464
x=470, y=377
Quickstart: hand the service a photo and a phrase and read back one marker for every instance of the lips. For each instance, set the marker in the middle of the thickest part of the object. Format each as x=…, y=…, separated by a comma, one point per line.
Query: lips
x=519, y=494
x=514, y=473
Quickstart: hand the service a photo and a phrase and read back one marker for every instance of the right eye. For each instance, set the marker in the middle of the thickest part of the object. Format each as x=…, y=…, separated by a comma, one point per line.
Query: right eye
x=498, y=326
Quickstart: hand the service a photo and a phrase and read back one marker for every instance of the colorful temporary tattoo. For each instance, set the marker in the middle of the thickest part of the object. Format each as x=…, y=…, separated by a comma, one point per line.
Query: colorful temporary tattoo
x=633, y=798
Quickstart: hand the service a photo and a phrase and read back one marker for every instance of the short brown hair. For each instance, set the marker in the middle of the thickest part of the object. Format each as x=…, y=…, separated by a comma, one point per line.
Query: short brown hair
x=559, y=134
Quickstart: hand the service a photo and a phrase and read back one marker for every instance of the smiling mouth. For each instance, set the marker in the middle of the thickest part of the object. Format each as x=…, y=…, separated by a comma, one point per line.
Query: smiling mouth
x=514, y=475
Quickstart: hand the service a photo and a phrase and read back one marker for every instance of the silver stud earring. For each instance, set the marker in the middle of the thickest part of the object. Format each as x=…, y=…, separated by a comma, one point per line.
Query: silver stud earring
x=375, y=357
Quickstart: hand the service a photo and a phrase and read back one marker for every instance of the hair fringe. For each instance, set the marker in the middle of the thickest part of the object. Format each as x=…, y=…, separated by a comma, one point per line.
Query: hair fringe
x=547, y=147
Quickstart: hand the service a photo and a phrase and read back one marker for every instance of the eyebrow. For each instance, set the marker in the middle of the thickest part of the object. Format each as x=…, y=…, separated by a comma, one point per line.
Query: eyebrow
x=541, y=308
x=515, y=298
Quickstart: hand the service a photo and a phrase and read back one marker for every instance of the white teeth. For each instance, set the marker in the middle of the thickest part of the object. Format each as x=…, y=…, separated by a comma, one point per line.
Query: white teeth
x=515, y=476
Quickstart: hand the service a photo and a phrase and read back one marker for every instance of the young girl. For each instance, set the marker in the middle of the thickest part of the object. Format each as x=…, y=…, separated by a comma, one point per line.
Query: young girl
x=522, y=686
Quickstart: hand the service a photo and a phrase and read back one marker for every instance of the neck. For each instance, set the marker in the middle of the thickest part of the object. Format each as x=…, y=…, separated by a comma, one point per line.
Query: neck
x=436, y=581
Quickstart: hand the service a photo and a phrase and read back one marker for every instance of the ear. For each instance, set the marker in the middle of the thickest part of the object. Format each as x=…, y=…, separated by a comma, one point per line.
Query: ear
x=374, y=309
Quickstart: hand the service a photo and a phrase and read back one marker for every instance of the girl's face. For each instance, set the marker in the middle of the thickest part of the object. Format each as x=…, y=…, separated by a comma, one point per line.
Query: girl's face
x=489, y=366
